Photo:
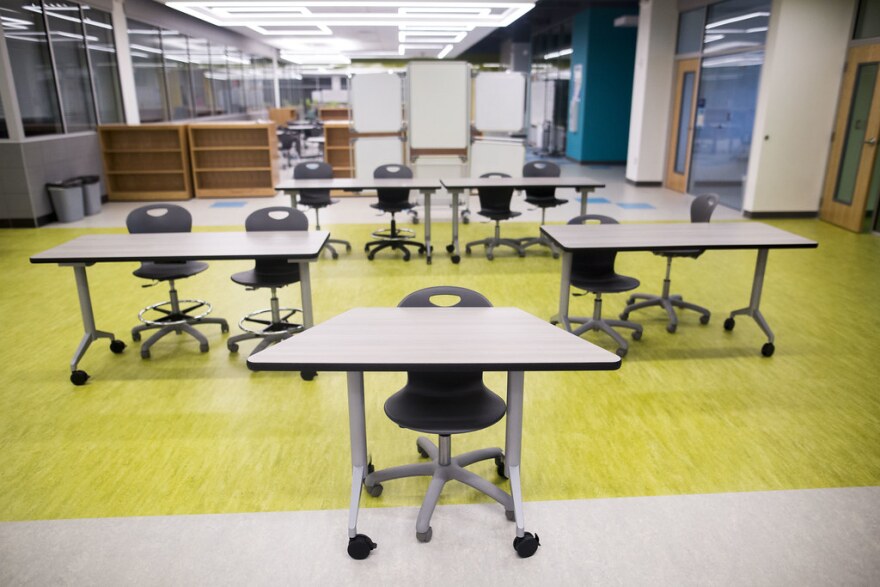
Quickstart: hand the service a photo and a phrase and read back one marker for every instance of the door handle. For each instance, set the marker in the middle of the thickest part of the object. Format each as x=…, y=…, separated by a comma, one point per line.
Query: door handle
x=871, y=141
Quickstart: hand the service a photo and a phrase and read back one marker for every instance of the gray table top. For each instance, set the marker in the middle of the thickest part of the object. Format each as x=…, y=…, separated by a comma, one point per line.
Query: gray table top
x=356, y=185
x=659, y=236
x=185, y=246
x=520, y=182
x=434, y=339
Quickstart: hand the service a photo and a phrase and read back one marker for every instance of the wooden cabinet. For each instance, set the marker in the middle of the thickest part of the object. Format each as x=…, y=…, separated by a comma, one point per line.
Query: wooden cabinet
x=337, y=148
x=234, y=160
x=282, y=116
x=146, y=162
x=326, y=114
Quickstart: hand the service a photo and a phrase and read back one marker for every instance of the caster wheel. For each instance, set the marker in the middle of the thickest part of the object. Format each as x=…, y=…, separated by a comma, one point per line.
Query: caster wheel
x=511, y=517
x=416, y=220
x=347, y=248
x=671, y=328
x=370, y=257
x=449, y=248
x=136, y=336
x=456, y=259
x=624, y=315
x=366, y=248
x=406, y=259
x=335, y=255
x=466, y=220
x=425, y=536
x=637, y=335
x=768, y=349
x=729, y=324
x=526, y=545
x=499, y=467
x=490, y=257
x=224, y=328
x=375, y=490
x=704, y=320
x=233, y=348
x=117, y=346
x=555, y=255
x=621, y=352
x=422, y=452
x=308, y=375
x=203, y=348
x=467, y=250
x=79, y=377
x=145, y=354
x=360, y=547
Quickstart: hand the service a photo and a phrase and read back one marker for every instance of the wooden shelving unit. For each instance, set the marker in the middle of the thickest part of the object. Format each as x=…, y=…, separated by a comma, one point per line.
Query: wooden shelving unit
x=234, y=160
x=326, y=114
x=282, y=116
x=337, y=148
x=146, y=162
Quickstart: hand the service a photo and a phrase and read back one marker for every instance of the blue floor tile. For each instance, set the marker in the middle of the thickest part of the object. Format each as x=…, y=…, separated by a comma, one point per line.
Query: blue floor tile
x=228, y=205
x=637, y=206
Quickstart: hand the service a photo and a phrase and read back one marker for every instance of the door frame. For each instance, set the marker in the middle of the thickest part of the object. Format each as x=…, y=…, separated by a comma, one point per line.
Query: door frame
x=672, y=180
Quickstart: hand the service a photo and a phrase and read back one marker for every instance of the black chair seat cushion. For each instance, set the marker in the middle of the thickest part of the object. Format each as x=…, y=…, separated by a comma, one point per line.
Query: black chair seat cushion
x=268, y=274
x=550, y=202
x=171, y=270
x=498, y=214
x=609, y=283
x=693, y=253
x=445, y=403
x=392, y=206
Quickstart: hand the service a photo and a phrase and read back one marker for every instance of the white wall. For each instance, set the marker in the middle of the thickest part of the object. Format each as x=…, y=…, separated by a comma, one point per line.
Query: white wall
x=652, y=90
x=797, y=101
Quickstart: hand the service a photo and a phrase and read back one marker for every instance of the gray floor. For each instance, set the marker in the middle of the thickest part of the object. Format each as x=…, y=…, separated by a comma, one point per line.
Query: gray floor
x=805, y=537
x=625, y=202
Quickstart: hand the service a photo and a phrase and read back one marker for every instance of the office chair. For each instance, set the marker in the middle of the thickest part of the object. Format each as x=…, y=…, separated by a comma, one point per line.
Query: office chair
x=393, y=200
x=593, y=272
x=270, y=325
x=317, y=199
x=163, y=218
x=701, y=211
x=495, y=205
x=445, y=403
x=286, y=145
x=543, y=198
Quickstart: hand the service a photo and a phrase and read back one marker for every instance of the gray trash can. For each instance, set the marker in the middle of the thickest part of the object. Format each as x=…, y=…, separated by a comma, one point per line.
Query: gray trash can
x=67, y=200
x=91, y=194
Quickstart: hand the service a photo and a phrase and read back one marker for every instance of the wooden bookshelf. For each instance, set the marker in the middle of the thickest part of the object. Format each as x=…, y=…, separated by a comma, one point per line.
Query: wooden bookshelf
x=281, y=116
x=326, y=114
x=146, y=162
x=337, y=148
x=234, y=160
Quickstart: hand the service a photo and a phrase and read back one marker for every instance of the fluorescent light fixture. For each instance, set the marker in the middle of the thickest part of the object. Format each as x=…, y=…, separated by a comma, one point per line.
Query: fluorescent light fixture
x=712, y=38
x=429, y=37
x=316, y=59
x=740, y=18
x=444, y=52
x=560, y=53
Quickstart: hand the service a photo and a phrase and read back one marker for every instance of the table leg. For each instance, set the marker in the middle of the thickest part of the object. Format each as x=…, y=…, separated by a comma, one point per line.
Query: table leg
x=564, y=286
x=90, y=332
x=584, y=192
x=305, y=285
x=357, y=427
x=426, y=194
x=753, y=309
x=513, y=445
x=453, y=248
x=292, y=194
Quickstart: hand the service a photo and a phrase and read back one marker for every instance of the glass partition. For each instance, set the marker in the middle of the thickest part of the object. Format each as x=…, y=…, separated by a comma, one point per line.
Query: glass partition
x=236, y=63
x=66, y=34
x=736, y=25
x=105, y=74
x=175, y=54
x=145, y=43
x=199, y=71
x=690, y=31
x=854, y=142
x=867, y=20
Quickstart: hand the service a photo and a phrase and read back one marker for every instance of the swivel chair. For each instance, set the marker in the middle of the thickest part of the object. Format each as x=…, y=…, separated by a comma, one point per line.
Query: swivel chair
x=593, y=272
x=317, y=199
x=495, y=205
x=445, y=403
x=287, y=146
x=169, y=316
x=270, y=325
x=543, y=198
x=393, y=200
x=701, y=211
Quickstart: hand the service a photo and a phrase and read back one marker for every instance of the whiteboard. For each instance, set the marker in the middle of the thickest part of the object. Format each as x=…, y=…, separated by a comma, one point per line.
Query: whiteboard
x=376, y=102
x=505, y=156
x=439, y=100
x=500, y=101
x=371, y=152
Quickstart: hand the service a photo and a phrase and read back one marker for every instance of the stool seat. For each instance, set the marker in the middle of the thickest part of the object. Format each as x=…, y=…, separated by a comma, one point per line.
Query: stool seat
x=613, y=283
x=169, y=270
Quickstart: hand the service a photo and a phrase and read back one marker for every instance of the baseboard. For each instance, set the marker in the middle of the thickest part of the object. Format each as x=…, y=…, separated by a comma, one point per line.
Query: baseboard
x=19, y=223
x=591, y=162
x=772, y=215
x=645, y=184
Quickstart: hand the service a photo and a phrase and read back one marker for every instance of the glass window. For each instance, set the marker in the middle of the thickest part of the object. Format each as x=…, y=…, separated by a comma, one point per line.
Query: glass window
x=199, y=71
x=219, y=76
x=690, y=31
x=31, y=68
x=856, y=130
x=684, y=121
x=105, y=74
x=71, y=65
x=236, y=62
x=3, y=132
x=867, y=20
x=149, y=79
x=736, y=25
x=177, y=77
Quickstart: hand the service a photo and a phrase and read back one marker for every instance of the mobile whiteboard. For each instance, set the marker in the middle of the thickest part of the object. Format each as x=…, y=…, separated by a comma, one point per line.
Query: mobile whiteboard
x=376, y=103
x=497, y=155
x=500, y=101
x=439, y=99
x=371, y=152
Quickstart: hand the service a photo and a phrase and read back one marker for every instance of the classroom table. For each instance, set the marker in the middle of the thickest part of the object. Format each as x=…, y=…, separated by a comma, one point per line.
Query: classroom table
x=299, y=246
x=425, y=186
x=572, y=238
x=456, y=186
x=434, y=339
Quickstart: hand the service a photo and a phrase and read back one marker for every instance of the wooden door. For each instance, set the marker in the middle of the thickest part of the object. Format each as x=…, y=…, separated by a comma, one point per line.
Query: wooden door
x=681, y=135
x=852, y=174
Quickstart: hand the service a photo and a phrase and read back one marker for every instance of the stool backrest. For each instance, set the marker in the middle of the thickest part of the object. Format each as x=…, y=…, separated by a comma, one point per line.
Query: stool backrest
x=271, y=219
x=159, y=218
x=392, y=171
x=467, y=298
x=596, y=263
x=313, y=170
x=703, y=206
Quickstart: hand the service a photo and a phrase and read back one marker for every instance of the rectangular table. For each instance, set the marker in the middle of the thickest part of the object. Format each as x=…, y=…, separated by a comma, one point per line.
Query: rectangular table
x=457, y=186
x=434, y=339
x=298, y=246
x=670, y=236
x=425, y=186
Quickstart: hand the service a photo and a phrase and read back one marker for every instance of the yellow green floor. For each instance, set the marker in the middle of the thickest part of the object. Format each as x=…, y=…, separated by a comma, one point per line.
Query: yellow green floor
x=187, y=433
